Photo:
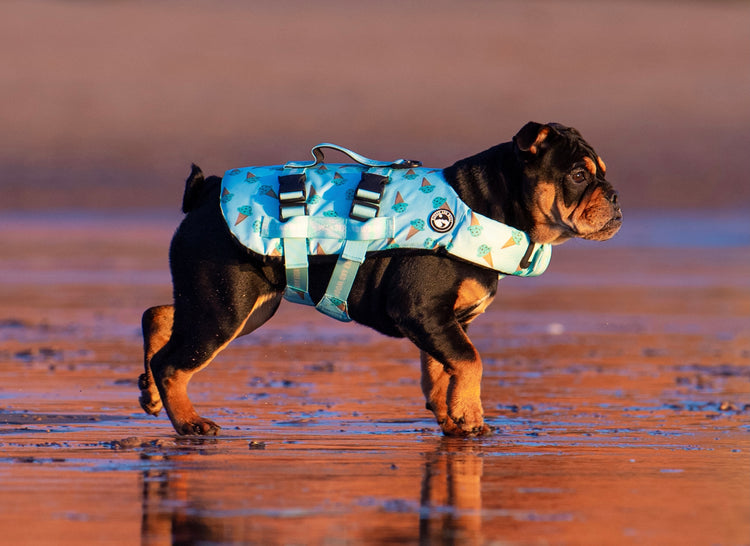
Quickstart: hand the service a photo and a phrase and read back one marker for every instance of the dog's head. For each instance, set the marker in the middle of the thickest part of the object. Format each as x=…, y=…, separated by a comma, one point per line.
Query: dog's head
x=564, y=185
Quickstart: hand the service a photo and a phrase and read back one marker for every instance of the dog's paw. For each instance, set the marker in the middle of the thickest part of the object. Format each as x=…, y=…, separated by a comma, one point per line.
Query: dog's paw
x=468, y=419
x=198, y=427
x=451, y=429
x=150, y=400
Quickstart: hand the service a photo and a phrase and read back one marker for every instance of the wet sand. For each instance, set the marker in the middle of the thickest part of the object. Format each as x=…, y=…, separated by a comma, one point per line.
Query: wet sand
x=617, y=384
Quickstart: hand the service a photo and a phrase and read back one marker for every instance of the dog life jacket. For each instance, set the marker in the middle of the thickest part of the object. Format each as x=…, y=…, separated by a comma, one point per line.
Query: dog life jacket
x=349, y=210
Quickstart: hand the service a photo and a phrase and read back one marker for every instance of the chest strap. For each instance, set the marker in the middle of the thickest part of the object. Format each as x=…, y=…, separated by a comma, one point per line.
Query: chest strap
x=365, y=207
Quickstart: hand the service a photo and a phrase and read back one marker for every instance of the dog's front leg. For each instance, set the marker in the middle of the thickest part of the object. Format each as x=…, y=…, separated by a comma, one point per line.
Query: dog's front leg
x=435, y=388
x=451, y=384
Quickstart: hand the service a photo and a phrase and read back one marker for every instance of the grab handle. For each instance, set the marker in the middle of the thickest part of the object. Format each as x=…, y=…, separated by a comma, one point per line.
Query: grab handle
x=317, y=153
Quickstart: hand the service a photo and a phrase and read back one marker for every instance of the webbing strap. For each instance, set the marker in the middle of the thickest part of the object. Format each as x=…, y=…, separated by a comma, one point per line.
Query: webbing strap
x=295, y=262
x=334, y=302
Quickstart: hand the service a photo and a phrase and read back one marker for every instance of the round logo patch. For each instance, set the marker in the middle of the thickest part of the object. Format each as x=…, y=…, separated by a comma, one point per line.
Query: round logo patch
x=442, y=220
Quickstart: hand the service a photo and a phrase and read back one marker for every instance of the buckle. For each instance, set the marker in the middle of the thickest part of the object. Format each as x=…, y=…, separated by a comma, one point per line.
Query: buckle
x=366, y=202
x=292, y=196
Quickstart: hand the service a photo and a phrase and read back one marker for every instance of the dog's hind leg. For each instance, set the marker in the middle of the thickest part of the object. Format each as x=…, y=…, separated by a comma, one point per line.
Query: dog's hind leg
x=157, y=328
x=195, y=340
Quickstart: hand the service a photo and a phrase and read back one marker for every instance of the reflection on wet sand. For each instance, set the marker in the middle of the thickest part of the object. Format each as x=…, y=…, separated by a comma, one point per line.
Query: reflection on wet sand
x=450, y=505
x=451, y=497
x=170, y=515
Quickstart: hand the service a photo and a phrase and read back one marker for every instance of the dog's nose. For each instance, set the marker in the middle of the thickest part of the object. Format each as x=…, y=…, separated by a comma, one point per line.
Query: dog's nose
x=611, y=196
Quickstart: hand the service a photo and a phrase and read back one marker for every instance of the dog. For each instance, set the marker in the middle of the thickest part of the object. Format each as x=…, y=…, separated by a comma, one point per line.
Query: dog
x=548, y=182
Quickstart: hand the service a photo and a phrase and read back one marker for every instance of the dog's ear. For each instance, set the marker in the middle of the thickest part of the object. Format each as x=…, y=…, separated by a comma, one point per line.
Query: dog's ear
x=531, y=136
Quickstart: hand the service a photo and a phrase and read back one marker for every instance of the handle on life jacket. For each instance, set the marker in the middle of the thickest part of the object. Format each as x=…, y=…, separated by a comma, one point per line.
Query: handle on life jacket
x=317, y=153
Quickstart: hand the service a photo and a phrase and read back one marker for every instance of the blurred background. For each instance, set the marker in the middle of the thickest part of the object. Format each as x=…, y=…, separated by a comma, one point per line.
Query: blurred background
x=104, y=104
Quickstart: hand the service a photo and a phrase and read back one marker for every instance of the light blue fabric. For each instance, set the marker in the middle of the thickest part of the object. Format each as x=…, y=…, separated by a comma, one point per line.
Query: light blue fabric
x=418, y=210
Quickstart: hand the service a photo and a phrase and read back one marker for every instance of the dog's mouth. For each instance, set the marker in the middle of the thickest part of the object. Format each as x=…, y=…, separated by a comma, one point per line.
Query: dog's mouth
x=608, y=230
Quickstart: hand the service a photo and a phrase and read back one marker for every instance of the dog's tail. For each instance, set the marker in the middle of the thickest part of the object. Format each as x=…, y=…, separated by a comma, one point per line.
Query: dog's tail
x=197, y=188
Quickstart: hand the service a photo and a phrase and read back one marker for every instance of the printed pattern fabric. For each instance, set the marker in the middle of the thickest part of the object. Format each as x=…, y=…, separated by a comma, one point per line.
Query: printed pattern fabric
x=418, y=210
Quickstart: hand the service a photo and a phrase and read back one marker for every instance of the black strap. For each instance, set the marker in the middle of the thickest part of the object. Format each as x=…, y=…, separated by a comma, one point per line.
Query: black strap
x=292, y=196
x=526, y=260
x=366, y=202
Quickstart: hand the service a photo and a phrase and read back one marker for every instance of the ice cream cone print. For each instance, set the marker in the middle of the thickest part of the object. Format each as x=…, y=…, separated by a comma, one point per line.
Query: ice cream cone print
x=339, y=303
x=475, y=228
x=313, y=198
x=250, y=178
x=399, y=205
x=426, y=187
x=297, y=292
x=515, y=239
x=226, y=196
x=244, y=212
x=410, y=174
x=267, y=190
x=319, y=250
x=509, y=242
x=338, y=179
x=415, y=227
x=484, y=251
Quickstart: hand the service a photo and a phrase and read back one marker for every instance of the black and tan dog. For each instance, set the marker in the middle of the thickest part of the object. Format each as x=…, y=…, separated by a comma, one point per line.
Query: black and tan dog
x=547, y=182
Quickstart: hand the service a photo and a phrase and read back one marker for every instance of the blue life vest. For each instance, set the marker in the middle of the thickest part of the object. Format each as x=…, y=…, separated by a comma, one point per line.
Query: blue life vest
x=297, y=210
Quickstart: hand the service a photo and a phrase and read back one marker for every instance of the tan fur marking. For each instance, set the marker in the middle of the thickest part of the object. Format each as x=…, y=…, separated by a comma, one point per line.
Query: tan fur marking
x=602, y=166
x=590, y=165
x=160, y=329
x=543, y=132
x=471, y=293
x=547, y=215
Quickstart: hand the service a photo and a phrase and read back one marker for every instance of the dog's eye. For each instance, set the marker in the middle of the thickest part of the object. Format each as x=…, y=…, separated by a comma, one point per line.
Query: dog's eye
x=578, y=176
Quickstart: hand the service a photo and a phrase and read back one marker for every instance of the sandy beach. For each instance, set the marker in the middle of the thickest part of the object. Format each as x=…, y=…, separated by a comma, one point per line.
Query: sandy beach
x=618, y=383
